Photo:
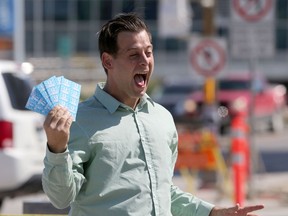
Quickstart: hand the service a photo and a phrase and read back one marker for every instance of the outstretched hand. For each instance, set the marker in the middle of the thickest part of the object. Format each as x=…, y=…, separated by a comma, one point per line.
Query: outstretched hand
x=236, y=211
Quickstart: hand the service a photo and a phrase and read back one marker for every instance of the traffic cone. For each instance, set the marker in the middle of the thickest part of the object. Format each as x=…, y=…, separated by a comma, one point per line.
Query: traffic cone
x=240, y=157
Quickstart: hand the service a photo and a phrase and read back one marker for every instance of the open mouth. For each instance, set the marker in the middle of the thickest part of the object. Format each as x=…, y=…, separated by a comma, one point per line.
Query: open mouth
x=140, y=79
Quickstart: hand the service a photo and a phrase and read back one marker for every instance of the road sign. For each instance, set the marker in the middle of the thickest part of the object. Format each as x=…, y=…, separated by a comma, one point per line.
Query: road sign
x=252, y=10
x=252, y=29
x=208, y=55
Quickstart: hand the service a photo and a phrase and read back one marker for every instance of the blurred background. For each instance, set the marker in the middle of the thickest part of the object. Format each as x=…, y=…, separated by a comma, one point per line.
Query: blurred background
x=58, y=34
x=212, y=58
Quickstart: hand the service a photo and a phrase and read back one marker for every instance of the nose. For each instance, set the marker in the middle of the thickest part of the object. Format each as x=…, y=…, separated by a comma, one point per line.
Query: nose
x=144, y=60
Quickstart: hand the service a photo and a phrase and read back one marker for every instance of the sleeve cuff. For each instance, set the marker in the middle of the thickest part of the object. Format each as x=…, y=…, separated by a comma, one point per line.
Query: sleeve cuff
x=206, y=208
x=56, y=158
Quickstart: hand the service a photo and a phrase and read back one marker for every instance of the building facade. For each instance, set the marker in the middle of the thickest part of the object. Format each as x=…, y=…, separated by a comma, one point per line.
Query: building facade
x=64, y=27
x=61, y=35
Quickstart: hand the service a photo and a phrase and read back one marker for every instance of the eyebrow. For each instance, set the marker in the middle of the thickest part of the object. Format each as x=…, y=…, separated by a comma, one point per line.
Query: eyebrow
x=135, y=48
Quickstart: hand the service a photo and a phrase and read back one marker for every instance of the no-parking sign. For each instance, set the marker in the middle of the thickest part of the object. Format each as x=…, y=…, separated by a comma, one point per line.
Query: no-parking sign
x=207, y=55
x=252, y=10
x=252, y=28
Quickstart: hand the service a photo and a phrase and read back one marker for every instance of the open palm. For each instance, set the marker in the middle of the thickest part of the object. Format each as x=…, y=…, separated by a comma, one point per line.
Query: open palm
x=236, y=211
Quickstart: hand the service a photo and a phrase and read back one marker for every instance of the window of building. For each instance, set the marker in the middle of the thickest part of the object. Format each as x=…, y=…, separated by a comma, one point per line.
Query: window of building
x=48, y=10
x=281, y=38
x=105, y=9
x=29, y=38
x=29, y=10
x=128, y=6
x=83, y=43
x=151, y=9
x=61, y=10
x=174, y=44
x=281, y=33
x=197, y=18
x=281, y=9
x=49, y=44
x=83, y=9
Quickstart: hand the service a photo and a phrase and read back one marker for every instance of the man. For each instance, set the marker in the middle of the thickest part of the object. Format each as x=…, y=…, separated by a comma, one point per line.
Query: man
x=123, y=146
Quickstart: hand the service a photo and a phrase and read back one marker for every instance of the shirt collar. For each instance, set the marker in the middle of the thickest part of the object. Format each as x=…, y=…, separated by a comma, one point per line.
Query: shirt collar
x=111, y=103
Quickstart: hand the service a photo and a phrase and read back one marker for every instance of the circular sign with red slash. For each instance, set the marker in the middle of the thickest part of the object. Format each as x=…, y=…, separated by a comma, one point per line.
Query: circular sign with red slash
x=252, y=10
x=208, y=57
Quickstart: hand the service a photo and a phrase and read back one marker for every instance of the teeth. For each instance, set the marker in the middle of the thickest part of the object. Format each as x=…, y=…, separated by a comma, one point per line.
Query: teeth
x=142, y=74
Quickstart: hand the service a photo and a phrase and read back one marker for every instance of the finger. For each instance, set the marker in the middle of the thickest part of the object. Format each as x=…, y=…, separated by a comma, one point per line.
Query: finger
x=233, y=209
x=51, y=114
x=63, y=118
x=248, y=209
x=69, y=121
x=57, y=116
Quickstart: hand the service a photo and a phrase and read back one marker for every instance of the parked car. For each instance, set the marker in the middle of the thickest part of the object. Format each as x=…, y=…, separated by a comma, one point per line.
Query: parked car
x=174, y=91
x=265, y=101
x=22, y=139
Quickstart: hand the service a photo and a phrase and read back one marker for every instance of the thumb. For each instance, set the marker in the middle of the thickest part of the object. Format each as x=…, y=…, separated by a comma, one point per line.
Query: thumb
x=233, y=209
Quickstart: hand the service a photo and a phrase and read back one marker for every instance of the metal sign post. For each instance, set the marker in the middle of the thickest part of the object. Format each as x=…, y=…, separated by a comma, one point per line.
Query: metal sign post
x=208, y=58
x=252, y=19
x=252, y=37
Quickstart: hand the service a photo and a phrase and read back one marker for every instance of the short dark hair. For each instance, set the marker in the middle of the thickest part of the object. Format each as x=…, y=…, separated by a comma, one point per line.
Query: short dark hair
x=108, y=34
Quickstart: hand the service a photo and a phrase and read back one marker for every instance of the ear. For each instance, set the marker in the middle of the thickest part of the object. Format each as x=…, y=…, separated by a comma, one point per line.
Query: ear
x=106, y=61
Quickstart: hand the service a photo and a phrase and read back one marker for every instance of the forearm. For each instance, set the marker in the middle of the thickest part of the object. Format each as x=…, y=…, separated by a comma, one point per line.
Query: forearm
x=214, y=211
x=183, y=203
x=60, y=183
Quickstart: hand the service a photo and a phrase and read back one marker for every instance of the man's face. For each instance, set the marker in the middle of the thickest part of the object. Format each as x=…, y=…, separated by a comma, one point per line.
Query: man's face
x=130, y=70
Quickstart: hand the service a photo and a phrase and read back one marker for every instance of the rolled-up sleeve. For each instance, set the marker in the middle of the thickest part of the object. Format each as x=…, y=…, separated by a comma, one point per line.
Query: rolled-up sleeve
x=183, y=203
x=59, y=181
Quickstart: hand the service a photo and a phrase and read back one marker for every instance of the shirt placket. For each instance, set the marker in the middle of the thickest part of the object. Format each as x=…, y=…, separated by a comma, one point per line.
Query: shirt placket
x=149, y=160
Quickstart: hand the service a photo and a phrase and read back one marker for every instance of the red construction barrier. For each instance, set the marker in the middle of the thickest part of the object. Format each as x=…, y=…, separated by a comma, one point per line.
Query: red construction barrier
x=240, y=157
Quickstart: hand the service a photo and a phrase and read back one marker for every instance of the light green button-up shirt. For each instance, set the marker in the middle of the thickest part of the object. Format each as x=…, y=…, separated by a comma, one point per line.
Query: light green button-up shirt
x=119, y=162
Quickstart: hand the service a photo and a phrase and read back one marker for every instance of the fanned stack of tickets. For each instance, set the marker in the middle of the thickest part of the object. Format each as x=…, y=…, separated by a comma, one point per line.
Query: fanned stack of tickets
x=55, y=91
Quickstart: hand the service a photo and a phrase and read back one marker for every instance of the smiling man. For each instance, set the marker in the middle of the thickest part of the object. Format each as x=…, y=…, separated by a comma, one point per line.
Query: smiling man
x=130, y=68
x=118, y=158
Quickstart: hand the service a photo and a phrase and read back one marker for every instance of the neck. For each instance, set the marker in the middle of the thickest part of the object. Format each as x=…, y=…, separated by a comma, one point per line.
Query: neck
x=131, y=102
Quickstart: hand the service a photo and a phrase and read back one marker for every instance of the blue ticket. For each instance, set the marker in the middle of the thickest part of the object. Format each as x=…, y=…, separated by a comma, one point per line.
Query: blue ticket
x=55, y=91
x=41, y=88
x=69, y=95
x=52, y=87
x=36, y=102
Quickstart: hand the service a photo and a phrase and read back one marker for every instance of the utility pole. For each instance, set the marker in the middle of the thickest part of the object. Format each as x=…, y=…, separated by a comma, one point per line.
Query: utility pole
x=208, y=30
x=209, y=110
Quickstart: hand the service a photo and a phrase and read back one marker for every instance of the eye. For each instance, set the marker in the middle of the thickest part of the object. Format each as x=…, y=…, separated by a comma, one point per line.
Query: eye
x=134, y=55
x=149, y=53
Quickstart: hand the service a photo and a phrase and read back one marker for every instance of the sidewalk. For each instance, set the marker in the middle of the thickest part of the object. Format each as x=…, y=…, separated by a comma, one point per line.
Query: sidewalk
x=270, y=189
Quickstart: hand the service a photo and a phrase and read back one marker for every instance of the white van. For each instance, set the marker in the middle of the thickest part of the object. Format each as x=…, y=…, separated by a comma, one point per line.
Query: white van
x=22, y=138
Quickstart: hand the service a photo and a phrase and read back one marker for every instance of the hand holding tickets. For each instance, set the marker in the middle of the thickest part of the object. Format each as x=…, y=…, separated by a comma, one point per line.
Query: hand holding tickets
x=54, y=91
